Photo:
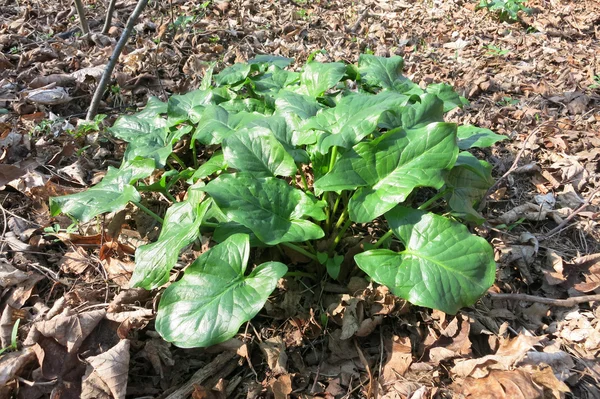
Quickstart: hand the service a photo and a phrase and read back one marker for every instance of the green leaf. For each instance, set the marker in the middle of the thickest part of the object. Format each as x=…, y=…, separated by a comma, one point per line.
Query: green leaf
x=286, y=135
x=353, y=118
x=214, y=297
x=246, y=105
x=316, y=78
x=447, y=94
x=181, y=227
x=207, y=78
x=111, y=194
x=189, y=106
x=226, y=229
x=270, y=59
x=213, y=165
x=270, y=207
x=429, y=109
x=216, y=123
x=443, y=266
x=233, y=74
x=153, y=108
x=470, y=136
x=467, y=182
x=388, y=169
x=304, y=107
x=257, y=151
x=384, y=72
x=274, y=80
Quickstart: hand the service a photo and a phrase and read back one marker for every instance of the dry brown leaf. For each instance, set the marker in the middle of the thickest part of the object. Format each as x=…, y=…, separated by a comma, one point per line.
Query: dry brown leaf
x=10, y=275
x=509, y=352
x=12, y=363
x=545, y=377
x=274, y=351
x=119, y=271
x=9, y=173
x=106, y=374
x=74, y=261
x=399, y=358
x=54, y=96
x=70, y=330
x=515, y=384
x=282, y=386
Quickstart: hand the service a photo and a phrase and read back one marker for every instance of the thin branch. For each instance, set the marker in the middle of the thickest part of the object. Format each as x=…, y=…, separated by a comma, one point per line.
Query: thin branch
x=548, y=301
x=510, y=170
x=82, y=20
x=109, y=14
x=114, y=58
x=564, y=223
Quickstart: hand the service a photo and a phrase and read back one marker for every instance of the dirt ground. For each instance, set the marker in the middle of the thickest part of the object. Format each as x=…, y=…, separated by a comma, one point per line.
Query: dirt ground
x=82, y=332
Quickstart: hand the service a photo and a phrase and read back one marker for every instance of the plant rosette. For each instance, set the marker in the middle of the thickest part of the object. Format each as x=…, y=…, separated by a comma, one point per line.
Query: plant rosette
x=296, y=159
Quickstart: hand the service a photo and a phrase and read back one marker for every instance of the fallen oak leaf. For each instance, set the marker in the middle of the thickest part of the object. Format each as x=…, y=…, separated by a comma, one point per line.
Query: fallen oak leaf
x=106, y=374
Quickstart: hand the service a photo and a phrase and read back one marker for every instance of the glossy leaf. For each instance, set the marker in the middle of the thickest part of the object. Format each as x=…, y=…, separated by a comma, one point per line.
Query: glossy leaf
x=443, y=266
x=353, y=118
x=270, y=59
x=233, y=74
x=270, y=207
x=388, y=169
x=316, y=78
x=217, y=123
x=181, y=227
x=470, y=136
x=213, y=165
x=447, y=94
x=304, y=107
x=384, y=72
x=467, y=183
x=258, y=152
x=273, y=80
x=188, y=106
x=112, y=194
x=215, y=297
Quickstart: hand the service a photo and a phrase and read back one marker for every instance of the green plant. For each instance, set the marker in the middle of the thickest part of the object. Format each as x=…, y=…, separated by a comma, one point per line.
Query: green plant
x=508, y=10
x=496, y=51
x=13, y=338
x=507, y=101
x=377, y=149
x=596, y=83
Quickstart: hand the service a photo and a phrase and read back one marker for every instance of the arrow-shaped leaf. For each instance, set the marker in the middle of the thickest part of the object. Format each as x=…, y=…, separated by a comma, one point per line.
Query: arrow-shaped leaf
x=268, y=206
x=390, y=167
x=443, y=266
x=214, y=297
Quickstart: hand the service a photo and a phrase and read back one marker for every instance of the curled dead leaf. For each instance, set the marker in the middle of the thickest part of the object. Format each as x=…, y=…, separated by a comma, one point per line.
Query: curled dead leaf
x=106, y=374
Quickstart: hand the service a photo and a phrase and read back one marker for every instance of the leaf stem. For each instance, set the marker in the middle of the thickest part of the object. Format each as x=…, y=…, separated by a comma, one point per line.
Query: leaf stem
x=210, y=224
x=300, y=274
x=335, y=205
x=300, y=250
x=304, y=183
x=339, y=235
x=178, y=160
x=383, y=238
x=432, y=200
x=343, y=216
x=149, y=212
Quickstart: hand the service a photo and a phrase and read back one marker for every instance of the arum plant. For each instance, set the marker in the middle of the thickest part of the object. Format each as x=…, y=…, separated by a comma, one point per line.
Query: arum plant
x=296, y=159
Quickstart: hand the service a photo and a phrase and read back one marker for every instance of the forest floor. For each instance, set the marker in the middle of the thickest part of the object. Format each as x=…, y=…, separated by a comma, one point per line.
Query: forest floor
x=82, y=332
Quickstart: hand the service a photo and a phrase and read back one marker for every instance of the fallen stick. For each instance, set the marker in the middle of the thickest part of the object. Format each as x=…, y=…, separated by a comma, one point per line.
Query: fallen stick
x=548, y=301
x=202, y=375
x=113, y=59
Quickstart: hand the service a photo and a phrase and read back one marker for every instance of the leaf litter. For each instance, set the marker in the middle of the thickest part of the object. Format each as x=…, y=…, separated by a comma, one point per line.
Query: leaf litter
x=542, y=78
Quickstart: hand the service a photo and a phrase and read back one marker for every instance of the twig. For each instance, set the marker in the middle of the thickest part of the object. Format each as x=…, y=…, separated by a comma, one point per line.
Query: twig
x=81, y=12
x=202, y=375
x=109, y=14
x=548, y=301
x=509, y=171
x=363, y=360
x=364, y=13
x=114, y=58
x=562, y=224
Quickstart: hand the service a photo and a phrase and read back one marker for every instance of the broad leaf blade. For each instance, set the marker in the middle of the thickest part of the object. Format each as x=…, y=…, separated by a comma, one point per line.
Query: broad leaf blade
x=389, y=168
x=188, y=106
x=443, y=266
x=316, y=78
x=270, y=59
x=267, y=206
x=214, y=297
x=111, y=194
x=447, y=94
x=467, y=182
x=470, y=136
x=214, y=164
x=181, y=227
x=257, y=151
x=384, y=72
x=233, y=74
